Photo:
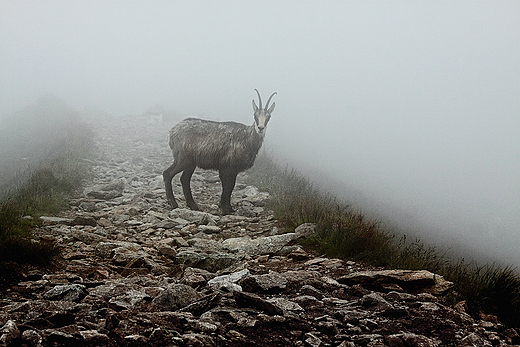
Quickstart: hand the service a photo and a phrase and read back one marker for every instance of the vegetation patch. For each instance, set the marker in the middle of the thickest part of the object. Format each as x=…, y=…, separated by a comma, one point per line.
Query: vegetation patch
x=346, y=233
x=57, y=167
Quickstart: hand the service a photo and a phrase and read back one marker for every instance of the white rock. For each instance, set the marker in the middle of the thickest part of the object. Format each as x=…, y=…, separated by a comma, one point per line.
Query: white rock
x=228, y=282
x=258, y=246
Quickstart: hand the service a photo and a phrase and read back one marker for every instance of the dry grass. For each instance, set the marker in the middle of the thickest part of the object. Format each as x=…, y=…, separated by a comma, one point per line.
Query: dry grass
x=42, y=189
x=346, y=233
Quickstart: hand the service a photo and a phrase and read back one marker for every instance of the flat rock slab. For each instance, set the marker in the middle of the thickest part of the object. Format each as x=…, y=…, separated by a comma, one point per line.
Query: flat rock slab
x=197, y=217
x=260, y=245
x=49, y=220
x=268, y=283
x=420, y=281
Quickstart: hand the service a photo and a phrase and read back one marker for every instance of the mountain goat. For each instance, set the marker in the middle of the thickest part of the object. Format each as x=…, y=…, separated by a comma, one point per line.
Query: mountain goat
x=228, y=147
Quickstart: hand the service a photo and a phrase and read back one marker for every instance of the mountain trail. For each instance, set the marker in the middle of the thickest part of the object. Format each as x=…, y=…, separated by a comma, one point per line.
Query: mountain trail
x=134, y=272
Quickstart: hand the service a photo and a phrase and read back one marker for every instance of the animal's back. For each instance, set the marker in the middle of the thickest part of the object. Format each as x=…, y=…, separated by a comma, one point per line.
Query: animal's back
x=215, y=145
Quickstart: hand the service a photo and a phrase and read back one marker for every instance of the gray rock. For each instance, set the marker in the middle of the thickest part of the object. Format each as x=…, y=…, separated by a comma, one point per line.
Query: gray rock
x=306, y=229
x=117, y=186
x=94, y=337
x=411, y=339
x=84, y=220
x=231, y=218
x=347, y=344
x=307, y=300
x=121, y=292
x=166, y=224
x=203, y=305
x=420, y=281
x=49, y=220
x=193, y=339
x=126, y=252
x=375, y=340
x=9, y=333
x=272, y=282
x=208, y=261
x=87, y=237
x=104, y=195
x=57, y=337
x=176, y=296
x=195, y=277
x=204, y=244
x=67, y=292
x=104, y=249
x=258, y=246
x=128, y=299
x=180, y=242
x=209, y=229
x=286, y=305
x=244, y=299
x=197, y=217
x=310, y=290
x=375, y=301
x=32, y=338
x=167, y=251
x=312, y=340
x=228, y=282
x=180, y=223
x=473, y=339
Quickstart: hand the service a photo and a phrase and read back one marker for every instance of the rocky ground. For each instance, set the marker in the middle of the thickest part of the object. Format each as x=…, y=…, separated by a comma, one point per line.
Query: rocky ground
x=135, y=273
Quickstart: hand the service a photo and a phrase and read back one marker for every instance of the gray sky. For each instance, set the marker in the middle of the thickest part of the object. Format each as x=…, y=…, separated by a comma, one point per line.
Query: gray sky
x=415, y=103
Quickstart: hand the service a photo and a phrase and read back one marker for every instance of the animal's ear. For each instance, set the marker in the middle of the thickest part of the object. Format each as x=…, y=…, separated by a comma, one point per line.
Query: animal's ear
x=255, y=108
x=271, y=108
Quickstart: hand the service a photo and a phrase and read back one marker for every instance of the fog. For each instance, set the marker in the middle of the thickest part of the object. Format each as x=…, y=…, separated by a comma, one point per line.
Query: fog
x=409, y=109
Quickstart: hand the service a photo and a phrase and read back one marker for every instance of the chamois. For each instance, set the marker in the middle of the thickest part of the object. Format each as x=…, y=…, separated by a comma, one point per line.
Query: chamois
x=228, y=147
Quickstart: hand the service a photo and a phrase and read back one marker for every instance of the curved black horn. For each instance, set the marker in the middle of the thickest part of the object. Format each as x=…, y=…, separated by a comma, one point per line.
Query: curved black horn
x=268, y=100
x=259, y=99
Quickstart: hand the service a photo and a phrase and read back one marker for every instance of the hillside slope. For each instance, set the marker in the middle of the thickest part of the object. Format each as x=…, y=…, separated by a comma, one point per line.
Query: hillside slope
x=135, y=273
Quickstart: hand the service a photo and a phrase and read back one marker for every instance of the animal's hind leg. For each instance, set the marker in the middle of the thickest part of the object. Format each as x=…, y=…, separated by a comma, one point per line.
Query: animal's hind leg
x=186, y=188
x=168, y=175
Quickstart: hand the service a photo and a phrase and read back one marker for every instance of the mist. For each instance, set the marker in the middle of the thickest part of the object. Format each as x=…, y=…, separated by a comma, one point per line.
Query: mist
x=408, y=109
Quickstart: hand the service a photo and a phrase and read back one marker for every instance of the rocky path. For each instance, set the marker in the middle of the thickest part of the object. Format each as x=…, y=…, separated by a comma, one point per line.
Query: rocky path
x=135, y=273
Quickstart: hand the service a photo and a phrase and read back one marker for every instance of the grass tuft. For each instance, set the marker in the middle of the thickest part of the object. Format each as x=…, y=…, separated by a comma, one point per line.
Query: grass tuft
x=42, y=188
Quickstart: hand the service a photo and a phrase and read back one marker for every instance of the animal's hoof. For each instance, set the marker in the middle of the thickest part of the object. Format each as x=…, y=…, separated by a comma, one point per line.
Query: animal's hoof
x=194, y=207
x=173, y=205
x=228, y=210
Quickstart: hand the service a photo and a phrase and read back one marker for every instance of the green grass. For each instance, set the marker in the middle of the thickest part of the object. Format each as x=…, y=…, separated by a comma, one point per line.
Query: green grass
x=43, y=189
x=46, y=191
x=346, y=233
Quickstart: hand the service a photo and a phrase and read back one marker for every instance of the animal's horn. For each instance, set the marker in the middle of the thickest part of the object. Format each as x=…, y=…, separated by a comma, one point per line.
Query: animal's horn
x=268, y=100
x=259, y=99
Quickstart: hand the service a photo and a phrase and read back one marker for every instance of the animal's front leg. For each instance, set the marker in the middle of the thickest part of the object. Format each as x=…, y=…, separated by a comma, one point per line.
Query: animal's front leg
x=228, y=180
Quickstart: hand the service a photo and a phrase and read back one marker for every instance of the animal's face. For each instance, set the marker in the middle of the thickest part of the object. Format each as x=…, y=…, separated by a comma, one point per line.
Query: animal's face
x=261, y=119
x=262, y=115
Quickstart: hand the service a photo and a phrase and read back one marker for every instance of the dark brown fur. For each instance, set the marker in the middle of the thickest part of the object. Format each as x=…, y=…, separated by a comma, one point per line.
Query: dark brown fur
x=228, y=147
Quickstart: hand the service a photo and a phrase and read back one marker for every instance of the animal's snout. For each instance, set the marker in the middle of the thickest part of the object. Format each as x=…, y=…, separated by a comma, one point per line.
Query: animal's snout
x=260, y=129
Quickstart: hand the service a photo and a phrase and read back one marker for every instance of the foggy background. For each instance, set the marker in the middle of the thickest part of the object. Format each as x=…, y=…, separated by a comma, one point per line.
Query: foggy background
x=408, y=108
